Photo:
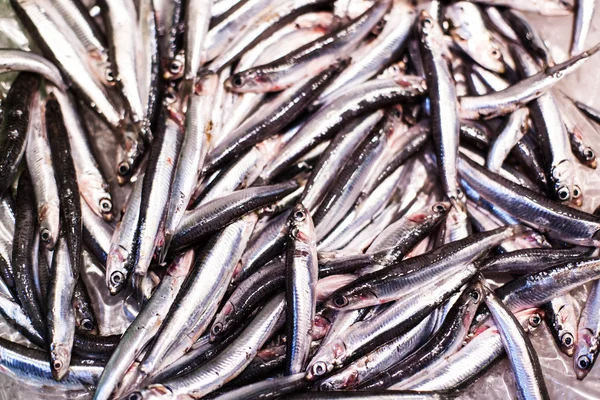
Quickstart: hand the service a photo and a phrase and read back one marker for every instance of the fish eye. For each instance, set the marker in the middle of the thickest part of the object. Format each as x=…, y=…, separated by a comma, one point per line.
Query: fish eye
x=567, y=340
x=589, y=154
x=175, y=66
x=563, y=193
x=576, y=192
x=300, y=215
x=326, y=386
x=237, y=81
x=45, y=235
x=495, y=53
x=124, y=168
x=217, y=329
x=427, y=23
x=117, y=278
x=535, y=320
x=320, y=368
x=135, y=396
x=87, y=324
x=57, y=364
x=171, y=97
x=439, y=208
x=105, y=205
x=340, y=301
x=475, y=295
x=108, y=74
x=584, y=362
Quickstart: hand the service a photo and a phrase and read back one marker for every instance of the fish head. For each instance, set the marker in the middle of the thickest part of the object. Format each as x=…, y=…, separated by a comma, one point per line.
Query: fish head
x=351, y=300
x=301, y=225
x=586, y=351
x=251, y=80
x=332, y=354
x=60, y=359
x=471, y=299
x=175, y=68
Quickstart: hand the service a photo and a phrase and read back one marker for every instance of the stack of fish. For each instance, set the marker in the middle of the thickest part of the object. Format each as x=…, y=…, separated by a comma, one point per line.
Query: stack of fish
x=322, y=196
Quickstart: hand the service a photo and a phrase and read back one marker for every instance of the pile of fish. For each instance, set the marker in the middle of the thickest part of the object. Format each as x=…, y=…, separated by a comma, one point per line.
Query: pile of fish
x=325, y=199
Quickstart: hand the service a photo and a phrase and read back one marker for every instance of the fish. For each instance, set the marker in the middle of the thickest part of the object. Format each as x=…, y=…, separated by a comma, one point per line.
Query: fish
x=586, y=343
x=561, y=315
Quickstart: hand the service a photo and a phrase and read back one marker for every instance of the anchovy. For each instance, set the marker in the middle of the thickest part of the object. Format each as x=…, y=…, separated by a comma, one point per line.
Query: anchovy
x=331, y=119
x=583, y=21
x=144, y=327
x=39, y=164
x=445, y=342
x=301, y=281
x=15, y=124
x=268, y=388
x=515, y=96
x=198, y=130
x=528, y=36
x=207, y=285
x=19, y=60
x=273, y=117
x=543, y=7
x=58, y=49
x=96, y=234
x=310, y=58
x=230, y=363
x=197, y=19
x=370, y=59
x=513, y=131
x=530, y=260
x=561, y=315
x=84, y=315
x=586, y=346
x=521, y=354
x=443, y=101
x=156, y=187
x=216, y=214
x=93, y=185
x=569, y=224
x=66, y=180
x=397, y=319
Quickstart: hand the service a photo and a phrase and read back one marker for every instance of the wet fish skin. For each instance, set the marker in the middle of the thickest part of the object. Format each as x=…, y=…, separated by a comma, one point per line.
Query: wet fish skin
x=301, y=281
x=22, y=263
x=20, y=60
x=561, y=317
x=583, y=20
x=532, y=208
x=84, y=315
x=215, y=214
x=522, y=355
x=544, y=7
x=66, y=180
x=15, y=122
x=310, y=58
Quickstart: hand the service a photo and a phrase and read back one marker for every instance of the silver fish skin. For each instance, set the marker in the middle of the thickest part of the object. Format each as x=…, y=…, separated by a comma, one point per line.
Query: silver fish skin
x=56, y=46
x=586, y=346
x=524, y=261
x=144, y=327
x=268, y=23
x=552, y=135
x=517, y=95
x=469, y=32
x=39, y=162
x=567, y=223
x=395, y=281
x=302, y=30
x=119, y=262
x=224, y=250
x=29, y=367
x=514, y=130
x=220, y=36
x=476, y=356
x=155, y=192
x=397, y=319
x=498, y=22
x=219, y=108
x=523, y=358
x=370, y=59
x=301, y=293
x=561, y=315
x=227, y=365
x=148, y=64
x=309, y=59
x=220, y=7
x=113, y=313
x=334, y=157
x=267, y=388
x=93, y=185
x=365, y=238
x=350, y=180
x=119, y=16
x=84, y=27
x=198, y=131
x=197, y=20
x=61, y=317
x=20, y=60
x=543, y=7
x=383, y=357
x=583, y=21
x=96, y=234
x=443, y=100
x=330, y=119
x=447, y=340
